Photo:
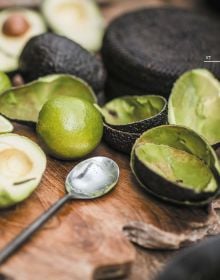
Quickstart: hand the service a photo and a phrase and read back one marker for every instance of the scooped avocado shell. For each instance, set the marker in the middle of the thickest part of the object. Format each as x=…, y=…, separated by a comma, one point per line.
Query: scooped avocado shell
x=195, y=102
x=22, y=164
x=176, y=164
x=25, y=102
x=135, y=114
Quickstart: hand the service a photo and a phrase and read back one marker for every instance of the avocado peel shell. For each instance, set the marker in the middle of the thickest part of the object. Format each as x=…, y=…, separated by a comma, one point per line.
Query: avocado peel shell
x=164, y=175
x=24, y=103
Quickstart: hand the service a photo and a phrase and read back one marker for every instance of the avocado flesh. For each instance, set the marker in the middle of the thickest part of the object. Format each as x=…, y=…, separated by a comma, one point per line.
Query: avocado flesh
x=11, y=47
x=131, y=109
x=78, y=20
x=180, y=167
x=24, y=103
x=183, y=139
x=22, y=164
x=195, y=102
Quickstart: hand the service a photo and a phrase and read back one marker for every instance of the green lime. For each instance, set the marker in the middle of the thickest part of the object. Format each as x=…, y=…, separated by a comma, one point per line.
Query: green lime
x=5, y=125
x=5, y=82
x=194, y=102
x=69, y=127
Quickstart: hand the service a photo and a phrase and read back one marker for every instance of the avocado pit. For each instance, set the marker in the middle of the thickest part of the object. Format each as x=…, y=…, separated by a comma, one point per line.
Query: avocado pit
x=15, y=25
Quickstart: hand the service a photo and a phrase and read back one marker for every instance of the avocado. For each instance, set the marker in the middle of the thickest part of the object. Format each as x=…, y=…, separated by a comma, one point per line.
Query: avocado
x=176, y=164
x=147, y=50
x=5, y=125
x=119, y=140
x=78, y=20
x=195, y=102
x=22, y=164
x=25, y=102
x=135, y=114
x=5, y=82
x=53, y=54
x=17, y=26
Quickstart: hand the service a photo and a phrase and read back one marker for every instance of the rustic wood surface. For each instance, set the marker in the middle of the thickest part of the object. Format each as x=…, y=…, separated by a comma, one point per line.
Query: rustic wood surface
x=85, y=239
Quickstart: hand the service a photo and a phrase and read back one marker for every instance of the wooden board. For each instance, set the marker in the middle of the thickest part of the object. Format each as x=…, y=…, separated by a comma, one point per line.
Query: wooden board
x=85, y=239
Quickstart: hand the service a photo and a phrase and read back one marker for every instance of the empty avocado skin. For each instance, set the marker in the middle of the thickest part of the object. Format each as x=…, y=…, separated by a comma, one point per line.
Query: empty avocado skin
x=166, y=189
x=50, y=54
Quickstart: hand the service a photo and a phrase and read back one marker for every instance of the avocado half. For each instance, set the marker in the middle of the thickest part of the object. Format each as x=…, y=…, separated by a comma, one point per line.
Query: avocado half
x=176, y=164
x=53, y=54
x=25, y=102
x=195, y=102
x=126, y=117
x=17, y=26
x=78, y=20
x=22, y=164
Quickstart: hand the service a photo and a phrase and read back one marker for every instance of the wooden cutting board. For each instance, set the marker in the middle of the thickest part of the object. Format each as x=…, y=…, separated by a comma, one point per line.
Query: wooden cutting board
x=85, y=239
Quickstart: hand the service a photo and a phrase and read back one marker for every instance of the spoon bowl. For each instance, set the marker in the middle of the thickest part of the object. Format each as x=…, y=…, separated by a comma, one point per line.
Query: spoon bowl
x=92, y=178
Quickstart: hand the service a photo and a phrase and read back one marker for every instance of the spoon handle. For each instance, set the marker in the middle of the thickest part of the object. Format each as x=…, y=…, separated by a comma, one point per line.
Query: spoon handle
x=25, y=234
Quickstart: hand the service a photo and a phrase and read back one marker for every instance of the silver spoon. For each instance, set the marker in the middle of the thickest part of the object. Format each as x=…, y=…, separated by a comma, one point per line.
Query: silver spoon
x=89, y=179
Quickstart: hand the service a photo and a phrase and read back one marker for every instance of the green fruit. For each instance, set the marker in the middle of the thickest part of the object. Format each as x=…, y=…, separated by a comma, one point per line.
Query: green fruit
x=5, y=82
x=176, y=164
x=5, y=125
x=22, y=164
x=69, y=127
x=25, y=102
x=194, y=102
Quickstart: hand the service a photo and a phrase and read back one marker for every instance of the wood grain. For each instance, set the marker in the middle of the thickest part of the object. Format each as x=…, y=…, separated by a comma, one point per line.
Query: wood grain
x=85, y=239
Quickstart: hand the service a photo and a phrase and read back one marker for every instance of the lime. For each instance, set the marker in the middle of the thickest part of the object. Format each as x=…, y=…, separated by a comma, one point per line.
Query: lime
x=5, y=125
x=194, y=102
x=69, y=127
x=5, y=82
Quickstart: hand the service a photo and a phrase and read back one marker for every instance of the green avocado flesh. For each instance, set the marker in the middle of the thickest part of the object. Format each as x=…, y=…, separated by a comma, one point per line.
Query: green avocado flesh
x=177, y=166
x=24, y=103
x=195, y=103
x=130, y=109
x=22, y=164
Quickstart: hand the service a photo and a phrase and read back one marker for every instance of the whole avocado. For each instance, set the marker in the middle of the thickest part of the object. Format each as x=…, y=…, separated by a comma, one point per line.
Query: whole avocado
x=49, y=54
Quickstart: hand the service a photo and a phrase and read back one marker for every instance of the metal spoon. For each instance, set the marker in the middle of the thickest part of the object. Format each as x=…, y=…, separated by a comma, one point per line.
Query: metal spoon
x=89, y=179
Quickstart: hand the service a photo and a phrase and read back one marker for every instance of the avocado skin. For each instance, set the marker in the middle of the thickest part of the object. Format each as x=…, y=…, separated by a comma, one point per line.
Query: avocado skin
x=142, y=57
x=50, y=54
x=200, y=262
x=142, y=126
x=169, y=191
x=119, y=140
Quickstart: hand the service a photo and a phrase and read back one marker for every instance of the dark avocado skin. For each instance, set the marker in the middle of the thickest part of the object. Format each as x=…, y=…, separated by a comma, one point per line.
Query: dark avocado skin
x=153, y=50
x=200, y=262
x=169, y=191
x=118, y=140
x=52, y=54
x=142, y=126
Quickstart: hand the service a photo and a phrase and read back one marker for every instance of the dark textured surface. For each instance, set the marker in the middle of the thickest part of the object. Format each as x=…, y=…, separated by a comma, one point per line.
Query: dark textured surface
x=119, y=140
x=150, y=48
x=201, y=262
x=49, y=53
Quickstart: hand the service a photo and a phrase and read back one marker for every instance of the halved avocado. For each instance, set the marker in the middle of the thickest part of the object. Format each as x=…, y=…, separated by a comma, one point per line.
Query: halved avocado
x=78, y=20
x=176, y=164
x=119, y=140
x=135, y=114
x=17, y=26
x=25, y=102
x=22, y=164
x=195, y=102
x=5, y=125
